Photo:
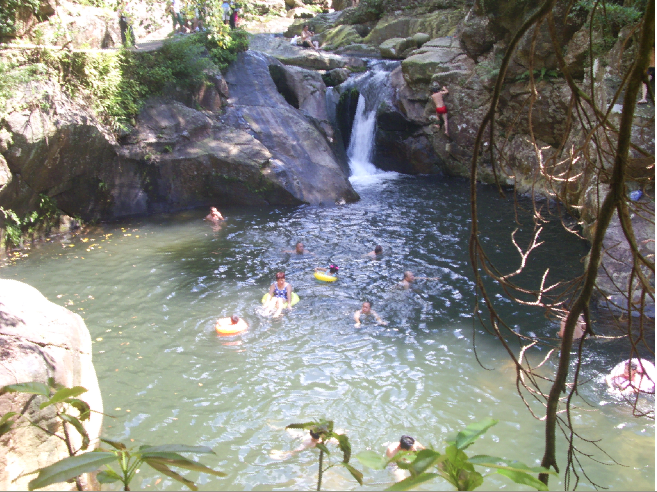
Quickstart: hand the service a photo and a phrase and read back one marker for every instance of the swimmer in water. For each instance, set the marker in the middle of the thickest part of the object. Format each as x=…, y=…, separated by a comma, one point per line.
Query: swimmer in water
x=366, y=310
x=331, y=269
x=406, y=443
x=580, y=327
x=280, y=296
x=298, y=249
x=214, y=215
x=409, y=278
x=378, y=250
x=310, y=441
x=632, y=376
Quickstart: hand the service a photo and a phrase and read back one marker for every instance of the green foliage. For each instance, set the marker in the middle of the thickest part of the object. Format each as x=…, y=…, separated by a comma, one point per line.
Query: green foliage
x=542, y=74
x=10, y=10
x=158, y=457
x=224, y=52
x=454, y=465
x=324, y=428
x=16, y=227
x=609, y=18
x=368, y=10
x=116, y=83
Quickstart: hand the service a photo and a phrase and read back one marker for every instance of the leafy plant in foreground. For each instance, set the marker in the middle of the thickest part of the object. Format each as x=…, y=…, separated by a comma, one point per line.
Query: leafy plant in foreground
x=160, y=458
x=129, y=461
x=63, y=399
x=324, y=428
x=454, y=465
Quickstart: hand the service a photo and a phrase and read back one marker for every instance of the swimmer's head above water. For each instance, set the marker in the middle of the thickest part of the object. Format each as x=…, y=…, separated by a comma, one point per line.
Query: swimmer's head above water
x=406, y=443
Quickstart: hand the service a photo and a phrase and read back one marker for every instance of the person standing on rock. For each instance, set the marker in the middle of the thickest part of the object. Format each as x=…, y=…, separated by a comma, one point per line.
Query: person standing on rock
x=125, y=24
x=177, y=17
x=226, y=9
x=441, y=109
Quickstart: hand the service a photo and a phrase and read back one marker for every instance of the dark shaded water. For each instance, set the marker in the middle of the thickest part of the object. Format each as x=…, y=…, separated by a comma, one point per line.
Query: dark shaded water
x=150, y=290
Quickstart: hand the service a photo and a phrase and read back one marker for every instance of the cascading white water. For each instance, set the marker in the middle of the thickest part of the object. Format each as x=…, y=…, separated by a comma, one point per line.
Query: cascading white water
x=372, y=87
x=362, y=141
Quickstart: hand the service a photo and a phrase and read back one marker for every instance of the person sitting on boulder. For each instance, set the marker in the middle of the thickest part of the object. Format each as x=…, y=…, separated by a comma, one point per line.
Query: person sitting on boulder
x=441, y=109
x=307, y=38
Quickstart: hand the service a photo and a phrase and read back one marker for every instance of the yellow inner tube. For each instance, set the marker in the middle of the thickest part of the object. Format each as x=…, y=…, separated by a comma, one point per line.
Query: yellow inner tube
x=225, y=326
x=324, y=277
x=295, y=298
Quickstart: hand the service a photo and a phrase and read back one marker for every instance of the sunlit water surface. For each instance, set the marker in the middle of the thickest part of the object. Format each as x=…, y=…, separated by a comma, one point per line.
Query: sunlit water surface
x=150, y=291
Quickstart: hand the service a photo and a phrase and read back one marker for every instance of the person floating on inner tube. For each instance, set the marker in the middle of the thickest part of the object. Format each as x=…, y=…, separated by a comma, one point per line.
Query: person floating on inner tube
x=331, y=269
x=230, y=326
x=280, y=296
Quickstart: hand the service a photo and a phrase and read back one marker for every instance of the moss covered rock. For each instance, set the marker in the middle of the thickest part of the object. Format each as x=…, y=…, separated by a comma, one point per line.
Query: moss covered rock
x=395, y=47
x=340, y=36
x=436, y=24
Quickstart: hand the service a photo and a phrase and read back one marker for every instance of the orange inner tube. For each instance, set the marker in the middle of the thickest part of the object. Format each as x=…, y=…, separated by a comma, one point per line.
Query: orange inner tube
x=225, y=326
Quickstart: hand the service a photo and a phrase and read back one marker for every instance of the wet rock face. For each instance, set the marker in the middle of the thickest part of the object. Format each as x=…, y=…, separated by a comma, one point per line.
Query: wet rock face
x=303, y=161
x=39, y=340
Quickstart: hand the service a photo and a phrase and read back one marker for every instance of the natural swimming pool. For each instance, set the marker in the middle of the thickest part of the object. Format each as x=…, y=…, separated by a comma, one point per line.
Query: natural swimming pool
x=150, y=290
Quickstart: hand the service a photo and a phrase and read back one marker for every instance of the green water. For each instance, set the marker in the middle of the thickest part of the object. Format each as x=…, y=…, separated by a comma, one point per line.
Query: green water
x=150, y=290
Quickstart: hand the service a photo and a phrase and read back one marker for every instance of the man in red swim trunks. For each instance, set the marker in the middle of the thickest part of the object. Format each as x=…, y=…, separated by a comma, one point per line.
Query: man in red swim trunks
x=441, y=109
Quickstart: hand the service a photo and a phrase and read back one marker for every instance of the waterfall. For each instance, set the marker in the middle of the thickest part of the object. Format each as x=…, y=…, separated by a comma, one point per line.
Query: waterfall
x=362, y=141
x=373, y=86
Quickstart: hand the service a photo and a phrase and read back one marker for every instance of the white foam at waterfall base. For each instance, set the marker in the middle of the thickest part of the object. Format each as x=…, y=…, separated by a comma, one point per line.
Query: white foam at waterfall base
x=363, y=171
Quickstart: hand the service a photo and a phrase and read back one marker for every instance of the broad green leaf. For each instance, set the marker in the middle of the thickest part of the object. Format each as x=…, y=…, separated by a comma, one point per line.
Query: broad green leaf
x=162, y=468
x=319, y=445
x=108, y=476
x=354, y=473
x=176, y=448
x=343, y=442
x=7, y=416
x=470, y=480
x=523, y=478
x=174, y=459
x=6, y=427
x=372, y=460
x=115, y=444
x=413, y=482
x=494, y=462
x=5, y=424
x=457, y=458
x=468, y=435
x=78, y=427
x=71, y=467
x=80, y=406
x=63, y=394
x=307, y=425
x=423, y=460
x=33, y=388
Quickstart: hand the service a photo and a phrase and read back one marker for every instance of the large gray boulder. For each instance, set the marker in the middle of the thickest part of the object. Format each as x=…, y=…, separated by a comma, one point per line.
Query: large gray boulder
x=41, y=340
x=304, y=161
x=291, y=54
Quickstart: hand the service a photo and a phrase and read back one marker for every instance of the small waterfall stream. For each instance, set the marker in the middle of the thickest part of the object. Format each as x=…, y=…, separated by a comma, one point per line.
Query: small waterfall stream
x=373, y=87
